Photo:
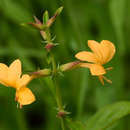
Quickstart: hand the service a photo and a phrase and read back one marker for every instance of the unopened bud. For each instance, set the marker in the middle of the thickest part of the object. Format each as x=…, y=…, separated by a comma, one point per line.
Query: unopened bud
x=38, y=24
x=62, y=113
x=49, y=46
x=43, y=34
x=53, y=18
x=37, y=20
x=45, y=17
x=41, y=73
x=69, y=66
x=59, y=10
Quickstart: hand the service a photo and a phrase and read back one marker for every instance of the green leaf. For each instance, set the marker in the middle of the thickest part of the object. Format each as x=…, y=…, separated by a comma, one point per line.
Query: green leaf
x=108, y=115
x=75, y=125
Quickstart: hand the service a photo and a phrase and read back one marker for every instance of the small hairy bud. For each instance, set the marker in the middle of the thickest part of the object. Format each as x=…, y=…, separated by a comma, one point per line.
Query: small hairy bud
x=69, y=66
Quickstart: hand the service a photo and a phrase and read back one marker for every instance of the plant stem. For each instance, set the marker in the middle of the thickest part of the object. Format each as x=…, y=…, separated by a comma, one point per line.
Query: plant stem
x=62, y=124
x=53, y=63
x=58, y=96
x=54, y=80
x=59, y=102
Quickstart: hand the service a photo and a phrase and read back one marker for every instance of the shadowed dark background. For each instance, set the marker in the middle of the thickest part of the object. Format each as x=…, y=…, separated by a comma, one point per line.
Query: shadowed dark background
x=83, y=95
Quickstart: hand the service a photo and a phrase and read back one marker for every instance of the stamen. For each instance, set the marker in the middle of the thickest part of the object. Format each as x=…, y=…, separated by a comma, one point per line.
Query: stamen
x=109, y=81
x=101, y=79
x=110, y=68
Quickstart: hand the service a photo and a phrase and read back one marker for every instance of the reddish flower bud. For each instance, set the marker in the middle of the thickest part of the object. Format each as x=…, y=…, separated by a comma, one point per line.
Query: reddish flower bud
x=69, y=66
x=53, y=18
x=49, y=46
x=40, y=73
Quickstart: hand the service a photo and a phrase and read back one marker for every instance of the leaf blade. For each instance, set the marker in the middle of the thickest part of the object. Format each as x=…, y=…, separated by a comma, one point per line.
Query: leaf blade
x=105, y=117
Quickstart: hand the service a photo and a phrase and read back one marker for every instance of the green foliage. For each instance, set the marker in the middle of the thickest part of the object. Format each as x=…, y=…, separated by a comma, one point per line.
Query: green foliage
x=82, y=94
x=107, y=116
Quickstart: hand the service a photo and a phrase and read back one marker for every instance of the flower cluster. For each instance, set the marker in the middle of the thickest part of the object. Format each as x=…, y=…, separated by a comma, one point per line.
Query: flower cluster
x=12, y=76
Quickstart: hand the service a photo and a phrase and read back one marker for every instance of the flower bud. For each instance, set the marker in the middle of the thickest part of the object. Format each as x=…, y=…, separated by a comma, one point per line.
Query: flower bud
x=45, y=17
x=37, y=20
x=43, y=34
x=62, y=113
x=38, y=24
x=69, y=66
x=49, y=46
x=53, y=18
x=41, y=73
x=59, y=10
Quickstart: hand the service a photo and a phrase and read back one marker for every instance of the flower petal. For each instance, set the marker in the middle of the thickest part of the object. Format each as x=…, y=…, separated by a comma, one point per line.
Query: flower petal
x=86, y=56
x=104, y=50
x=108, y=50
x=23, y=81
x=14, y=72
x=97, y=50
x=25, y=96
x=95, y=69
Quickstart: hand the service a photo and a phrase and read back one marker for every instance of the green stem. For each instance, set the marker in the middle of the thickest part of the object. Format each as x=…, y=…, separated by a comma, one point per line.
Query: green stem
x=53, y=63
x=58, y=96
x=62, y=124
x=54, y=79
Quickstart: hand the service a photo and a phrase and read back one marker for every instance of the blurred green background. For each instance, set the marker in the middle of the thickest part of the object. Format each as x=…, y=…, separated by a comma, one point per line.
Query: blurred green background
x=83, y=95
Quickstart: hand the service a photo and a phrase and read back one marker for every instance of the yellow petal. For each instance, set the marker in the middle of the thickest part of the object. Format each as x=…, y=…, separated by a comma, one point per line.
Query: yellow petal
x=23, y=81
x=3, y=67
x=104, y=50
x=24, y=96
x=108, y=50
x=86, y=56
x=97, y=50
x=95, y=69
x=14, y=72
x=3, y=74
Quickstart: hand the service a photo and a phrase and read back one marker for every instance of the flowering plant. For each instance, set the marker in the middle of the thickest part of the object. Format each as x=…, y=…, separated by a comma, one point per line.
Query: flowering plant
x=101, y=53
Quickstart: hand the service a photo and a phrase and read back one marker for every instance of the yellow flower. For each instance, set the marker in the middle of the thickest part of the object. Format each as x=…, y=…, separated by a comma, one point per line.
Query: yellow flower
x=11, y=77
x=101, y=54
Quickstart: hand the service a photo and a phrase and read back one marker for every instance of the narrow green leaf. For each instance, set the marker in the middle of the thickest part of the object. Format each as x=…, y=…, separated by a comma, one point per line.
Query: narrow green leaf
x=108, y=115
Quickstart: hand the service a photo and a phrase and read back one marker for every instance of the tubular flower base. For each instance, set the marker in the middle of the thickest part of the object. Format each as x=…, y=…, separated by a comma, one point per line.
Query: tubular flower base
x=101, y=54
x=11, y=77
